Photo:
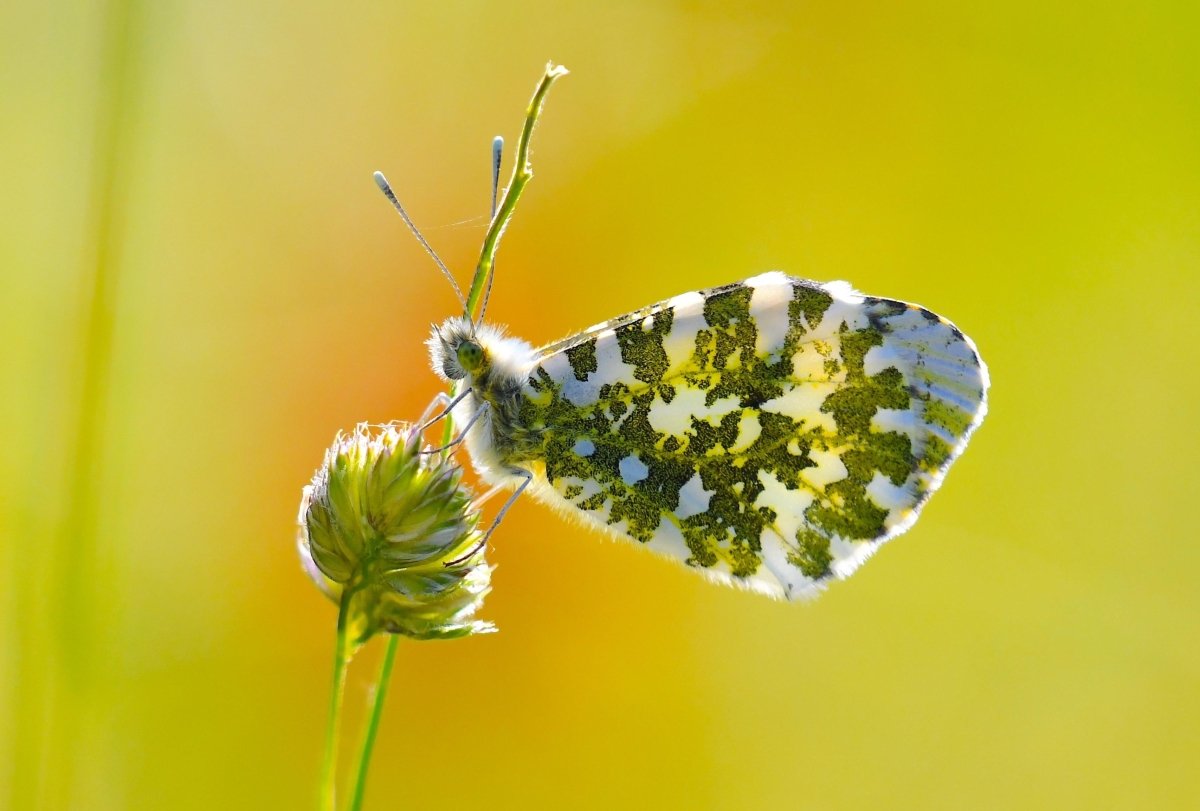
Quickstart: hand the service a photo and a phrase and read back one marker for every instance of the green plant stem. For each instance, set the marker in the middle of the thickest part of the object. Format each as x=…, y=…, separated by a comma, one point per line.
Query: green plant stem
x=328, y=796
x=76, y=679
x=522, y=172
x=372, y=729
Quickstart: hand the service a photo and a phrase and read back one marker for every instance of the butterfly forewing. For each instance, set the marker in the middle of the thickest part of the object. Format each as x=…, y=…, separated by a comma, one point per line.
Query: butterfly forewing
x=771, y=432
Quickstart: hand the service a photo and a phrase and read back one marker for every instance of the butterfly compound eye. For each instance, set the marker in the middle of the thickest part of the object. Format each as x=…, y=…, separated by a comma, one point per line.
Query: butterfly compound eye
x=470, y=356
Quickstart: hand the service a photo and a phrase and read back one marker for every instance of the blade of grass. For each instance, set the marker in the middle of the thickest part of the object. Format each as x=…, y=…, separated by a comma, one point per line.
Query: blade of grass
x=341, y=657
x=379, y=695
x=522, y=172
x=76, y=677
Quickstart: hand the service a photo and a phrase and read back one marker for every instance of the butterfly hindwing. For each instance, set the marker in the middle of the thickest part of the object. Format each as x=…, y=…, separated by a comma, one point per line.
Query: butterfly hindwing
x=771, y=432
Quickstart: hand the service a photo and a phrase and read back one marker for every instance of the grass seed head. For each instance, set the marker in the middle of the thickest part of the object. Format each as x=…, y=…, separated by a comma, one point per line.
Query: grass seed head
x=394, y=528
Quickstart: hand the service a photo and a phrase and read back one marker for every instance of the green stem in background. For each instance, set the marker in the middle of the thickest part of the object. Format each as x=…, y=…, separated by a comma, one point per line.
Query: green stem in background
x=372, y=729
x=522, y=172
x=77, y=676
x=341, y=657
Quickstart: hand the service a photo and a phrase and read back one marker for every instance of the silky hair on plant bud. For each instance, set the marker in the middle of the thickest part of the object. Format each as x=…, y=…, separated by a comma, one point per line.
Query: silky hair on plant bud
x=388, y=531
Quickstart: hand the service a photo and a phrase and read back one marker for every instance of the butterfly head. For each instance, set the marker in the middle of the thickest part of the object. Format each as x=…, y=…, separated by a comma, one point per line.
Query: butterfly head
x=480, y=354
x=470, y=357
x=456, y=350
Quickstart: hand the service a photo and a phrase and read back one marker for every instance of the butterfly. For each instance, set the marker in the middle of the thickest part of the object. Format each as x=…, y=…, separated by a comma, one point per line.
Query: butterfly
x=770, y=433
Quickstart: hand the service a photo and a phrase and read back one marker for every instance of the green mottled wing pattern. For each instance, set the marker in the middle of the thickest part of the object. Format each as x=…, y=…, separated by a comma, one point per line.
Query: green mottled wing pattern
x=771, y=433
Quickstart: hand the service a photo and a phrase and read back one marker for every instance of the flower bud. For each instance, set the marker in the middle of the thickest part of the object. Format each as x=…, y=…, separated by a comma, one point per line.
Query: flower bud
x=389, y=533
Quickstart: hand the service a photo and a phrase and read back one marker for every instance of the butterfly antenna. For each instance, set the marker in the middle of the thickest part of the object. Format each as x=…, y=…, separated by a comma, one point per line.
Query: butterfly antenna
x=386, y=188
x=497, y=155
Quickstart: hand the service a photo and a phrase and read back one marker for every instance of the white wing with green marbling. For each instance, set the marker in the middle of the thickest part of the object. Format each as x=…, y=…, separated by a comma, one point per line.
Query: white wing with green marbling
x=770, y=433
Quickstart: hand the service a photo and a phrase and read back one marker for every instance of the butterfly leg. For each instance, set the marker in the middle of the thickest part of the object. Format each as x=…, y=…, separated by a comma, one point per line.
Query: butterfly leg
x=447, y=405
x=463, y=433
x=526, y=477
x=486, y=497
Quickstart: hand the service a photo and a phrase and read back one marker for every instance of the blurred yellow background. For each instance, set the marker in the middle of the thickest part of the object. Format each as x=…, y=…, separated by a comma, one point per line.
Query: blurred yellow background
x=188, y=213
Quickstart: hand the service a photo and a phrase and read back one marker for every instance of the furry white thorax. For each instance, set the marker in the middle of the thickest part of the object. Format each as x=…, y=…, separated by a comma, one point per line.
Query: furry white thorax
x=508, y=364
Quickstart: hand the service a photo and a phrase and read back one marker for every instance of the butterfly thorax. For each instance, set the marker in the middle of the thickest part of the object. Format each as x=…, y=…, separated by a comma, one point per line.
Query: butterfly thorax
x=514, y=437
x=494, y=368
